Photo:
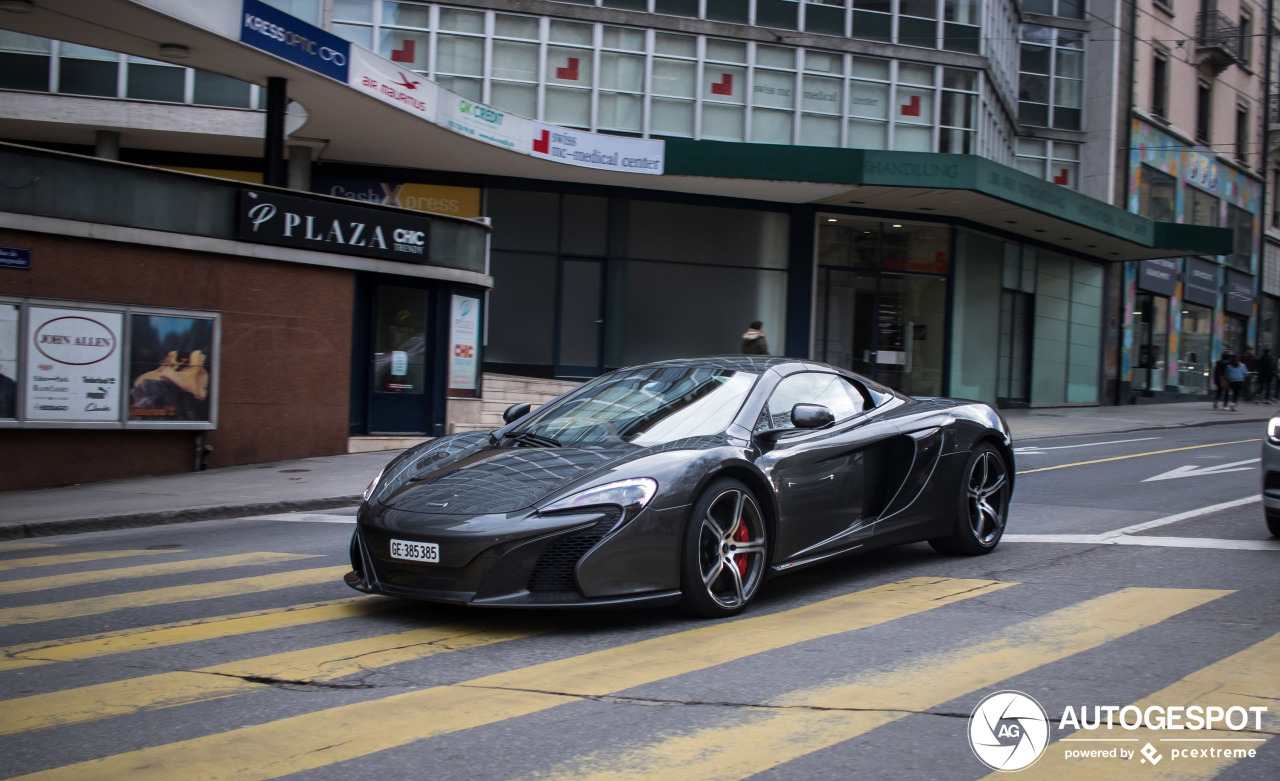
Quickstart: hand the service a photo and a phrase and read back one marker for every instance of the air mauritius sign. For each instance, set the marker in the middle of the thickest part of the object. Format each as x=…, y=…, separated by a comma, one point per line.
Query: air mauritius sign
x=393, y=84
x=594, y=150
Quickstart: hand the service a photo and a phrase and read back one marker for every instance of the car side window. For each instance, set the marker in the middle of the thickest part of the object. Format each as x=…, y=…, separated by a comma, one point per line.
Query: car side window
x=830, y=390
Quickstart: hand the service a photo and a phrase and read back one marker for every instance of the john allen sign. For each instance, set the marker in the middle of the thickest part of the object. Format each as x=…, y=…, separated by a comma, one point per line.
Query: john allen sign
x=290, y=221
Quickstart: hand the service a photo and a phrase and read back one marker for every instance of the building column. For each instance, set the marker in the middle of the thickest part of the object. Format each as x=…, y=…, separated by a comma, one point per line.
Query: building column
x=301, y=152
x=106, y=144
x=273, y=168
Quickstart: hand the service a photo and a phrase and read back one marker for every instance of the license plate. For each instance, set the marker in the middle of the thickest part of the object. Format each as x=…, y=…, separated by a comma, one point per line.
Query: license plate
x=415, y=551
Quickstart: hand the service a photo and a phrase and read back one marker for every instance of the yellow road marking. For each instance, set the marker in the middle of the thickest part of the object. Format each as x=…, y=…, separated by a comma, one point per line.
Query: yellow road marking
x=91, y=606
x=177, y=633
x=1137, y=455
x=18, y=546
x=1223, y=684
x=77, y=558
x=165, y=690
x=333, y=735
x=808, y=720
x=146, y=571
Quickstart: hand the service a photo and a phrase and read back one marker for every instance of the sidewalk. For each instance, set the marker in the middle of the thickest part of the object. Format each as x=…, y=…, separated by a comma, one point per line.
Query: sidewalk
x=338, y=481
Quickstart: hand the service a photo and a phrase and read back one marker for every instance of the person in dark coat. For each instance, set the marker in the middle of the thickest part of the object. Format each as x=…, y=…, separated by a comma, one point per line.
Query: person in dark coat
x=753, y=341
x=1266, y=376
x=1220, y=384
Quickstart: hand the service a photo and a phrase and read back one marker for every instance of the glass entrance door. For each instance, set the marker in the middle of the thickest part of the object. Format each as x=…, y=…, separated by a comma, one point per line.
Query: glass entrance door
x=889, y=327
x=910, y=320
x=399, y=375
x=580, y=323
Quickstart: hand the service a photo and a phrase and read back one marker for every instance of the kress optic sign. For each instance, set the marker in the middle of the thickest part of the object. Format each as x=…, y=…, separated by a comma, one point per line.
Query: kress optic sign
x=289, y=221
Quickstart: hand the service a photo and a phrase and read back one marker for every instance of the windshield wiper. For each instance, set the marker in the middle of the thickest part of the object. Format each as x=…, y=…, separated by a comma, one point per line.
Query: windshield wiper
x=530, y=439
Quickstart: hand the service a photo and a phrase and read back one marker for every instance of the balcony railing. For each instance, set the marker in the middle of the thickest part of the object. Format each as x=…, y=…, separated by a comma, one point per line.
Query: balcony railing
x=1217, y=40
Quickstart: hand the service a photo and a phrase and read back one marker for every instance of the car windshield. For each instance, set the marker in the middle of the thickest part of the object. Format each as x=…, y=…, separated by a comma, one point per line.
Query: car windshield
x=648, y=406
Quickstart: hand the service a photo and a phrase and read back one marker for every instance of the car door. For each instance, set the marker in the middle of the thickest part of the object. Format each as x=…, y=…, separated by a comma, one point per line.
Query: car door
x=822, y=479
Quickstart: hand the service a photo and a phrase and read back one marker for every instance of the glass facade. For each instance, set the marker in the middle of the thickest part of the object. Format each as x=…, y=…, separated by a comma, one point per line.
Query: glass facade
x=1051, y=78
x=34, y=64
x=1054, y=161
x=647, y=82
x=587, y=283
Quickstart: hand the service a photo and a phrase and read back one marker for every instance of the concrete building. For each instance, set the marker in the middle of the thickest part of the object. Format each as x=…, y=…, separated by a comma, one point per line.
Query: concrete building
x=919, y=190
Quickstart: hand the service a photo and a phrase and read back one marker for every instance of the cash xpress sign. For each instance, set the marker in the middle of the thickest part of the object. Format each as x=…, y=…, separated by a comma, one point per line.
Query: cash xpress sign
x=289, y=221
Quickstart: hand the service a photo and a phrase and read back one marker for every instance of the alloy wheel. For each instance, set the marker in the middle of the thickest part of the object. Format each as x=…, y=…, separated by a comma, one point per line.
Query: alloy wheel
x=731, y=548
x=987, y=498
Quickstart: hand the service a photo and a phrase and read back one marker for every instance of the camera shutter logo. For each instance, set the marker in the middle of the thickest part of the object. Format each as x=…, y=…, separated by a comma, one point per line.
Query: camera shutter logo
x=1008, y=731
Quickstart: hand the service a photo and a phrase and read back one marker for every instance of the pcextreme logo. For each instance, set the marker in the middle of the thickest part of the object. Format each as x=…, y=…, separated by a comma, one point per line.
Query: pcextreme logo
x=1009, y=731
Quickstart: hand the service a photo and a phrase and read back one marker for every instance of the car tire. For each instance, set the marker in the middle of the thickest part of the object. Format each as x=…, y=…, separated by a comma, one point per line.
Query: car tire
x=725, y=553
x=982, y=505
x=1273, y=522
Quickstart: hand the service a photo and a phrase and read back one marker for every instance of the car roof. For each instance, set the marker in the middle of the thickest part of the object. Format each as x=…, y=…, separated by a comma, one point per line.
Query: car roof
x=781, y=364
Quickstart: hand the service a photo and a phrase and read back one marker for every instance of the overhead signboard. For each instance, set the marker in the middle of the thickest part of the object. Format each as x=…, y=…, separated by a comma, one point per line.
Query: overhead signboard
x=1239, y=293
x=1200, y=282
x=288, y=37
x=596, y=150
x=1159, y=275
x=73, y=365
x=392, y=84
x=484, y=123
x=321, y=225
x=435, y=198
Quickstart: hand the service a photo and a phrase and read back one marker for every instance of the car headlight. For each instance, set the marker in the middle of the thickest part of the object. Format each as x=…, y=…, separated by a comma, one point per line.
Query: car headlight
x=631, y=495
x=1273, y=431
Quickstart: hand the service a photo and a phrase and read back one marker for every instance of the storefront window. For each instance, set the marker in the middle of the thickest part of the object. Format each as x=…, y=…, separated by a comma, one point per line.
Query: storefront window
x=8, y=360
x=1068, y=317
x=1195, y=343
x=1241, y=222
x=1157, y=194
x=1199, y=207
x=400, y=341
x=1150, y=341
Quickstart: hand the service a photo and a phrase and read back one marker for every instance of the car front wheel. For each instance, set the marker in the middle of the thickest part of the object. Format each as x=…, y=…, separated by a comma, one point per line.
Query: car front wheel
x=725, y=550
x=983, y=505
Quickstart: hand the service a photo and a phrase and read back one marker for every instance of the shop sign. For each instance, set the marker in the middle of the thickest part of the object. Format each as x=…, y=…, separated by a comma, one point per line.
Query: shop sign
x=171, y=360
x=73, y=365
x=276, y=32
x=434, y=198
x=594, y=150
x=290, y=221
x=464, y=343
x=1200, y=283
x=393, y=84
x=15, y=257
x=483, y=123
x=1159, y=275
x=1239, y=293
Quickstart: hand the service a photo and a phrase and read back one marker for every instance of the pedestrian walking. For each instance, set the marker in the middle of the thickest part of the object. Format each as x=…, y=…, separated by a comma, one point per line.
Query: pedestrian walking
x=1235, y=373
x=754, y=341
x=1266, y=375
x=1220, y=384
x=1250, y=361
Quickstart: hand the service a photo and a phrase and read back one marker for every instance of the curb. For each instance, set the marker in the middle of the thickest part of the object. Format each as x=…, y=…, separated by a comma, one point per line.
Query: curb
x=1201, y=424
x=20, y=530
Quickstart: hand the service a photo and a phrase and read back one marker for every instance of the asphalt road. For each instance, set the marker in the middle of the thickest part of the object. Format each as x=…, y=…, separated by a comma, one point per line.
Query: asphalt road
x=231, y=649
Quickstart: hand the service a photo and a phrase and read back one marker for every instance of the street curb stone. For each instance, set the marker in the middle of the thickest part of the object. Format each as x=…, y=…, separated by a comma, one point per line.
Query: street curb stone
x=18, y=531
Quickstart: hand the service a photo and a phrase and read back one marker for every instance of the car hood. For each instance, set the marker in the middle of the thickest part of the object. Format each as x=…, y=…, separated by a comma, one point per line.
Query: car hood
x=496, y=479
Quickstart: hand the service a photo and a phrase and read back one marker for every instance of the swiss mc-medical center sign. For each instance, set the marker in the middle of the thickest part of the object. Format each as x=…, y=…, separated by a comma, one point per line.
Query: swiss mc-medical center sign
x=275, y=32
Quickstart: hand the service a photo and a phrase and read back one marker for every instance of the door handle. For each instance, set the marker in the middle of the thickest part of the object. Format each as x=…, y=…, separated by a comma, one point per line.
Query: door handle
x=911, y=344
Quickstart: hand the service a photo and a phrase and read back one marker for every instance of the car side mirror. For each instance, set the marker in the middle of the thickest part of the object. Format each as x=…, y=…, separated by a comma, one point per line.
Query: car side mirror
x=516, y=411
x=811, y=416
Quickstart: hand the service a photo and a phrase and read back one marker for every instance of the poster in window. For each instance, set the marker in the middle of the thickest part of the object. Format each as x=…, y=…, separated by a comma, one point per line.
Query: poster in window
x=8, y=360
x=170, y=365
x=464, y=339
x=73, y=365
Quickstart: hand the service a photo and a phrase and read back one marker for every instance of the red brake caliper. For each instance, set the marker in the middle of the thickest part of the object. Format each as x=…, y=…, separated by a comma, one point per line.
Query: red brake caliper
x=741, y=536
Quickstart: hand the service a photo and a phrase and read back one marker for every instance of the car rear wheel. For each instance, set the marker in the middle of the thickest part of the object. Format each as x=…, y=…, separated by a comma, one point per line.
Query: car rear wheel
x=983, y=505
x=725, y=550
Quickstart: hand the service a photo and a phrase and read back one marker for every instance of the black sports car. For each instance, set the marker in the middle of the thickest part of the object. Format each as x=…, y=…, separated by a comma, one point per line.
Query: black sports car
x=689, y=480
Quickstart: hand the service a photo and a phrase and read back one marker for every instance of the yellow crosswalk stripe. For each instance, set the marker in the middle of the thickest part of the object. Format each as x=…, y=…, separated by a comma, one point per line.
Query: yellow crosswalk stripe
x=1250, y=678
x=11, y=547
x=77, y=558
x=147, y=571
x=324, y=737
x=165, y=690
x=123, y=641
x=802, y=722
x=90, y=606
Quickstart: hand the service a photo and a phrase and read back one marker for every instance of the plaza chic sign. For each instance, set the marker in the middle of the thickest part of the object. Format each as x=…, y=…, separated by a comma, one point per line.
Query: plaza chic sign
x=290, y=221
x=275, y=32
x=595, y=150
